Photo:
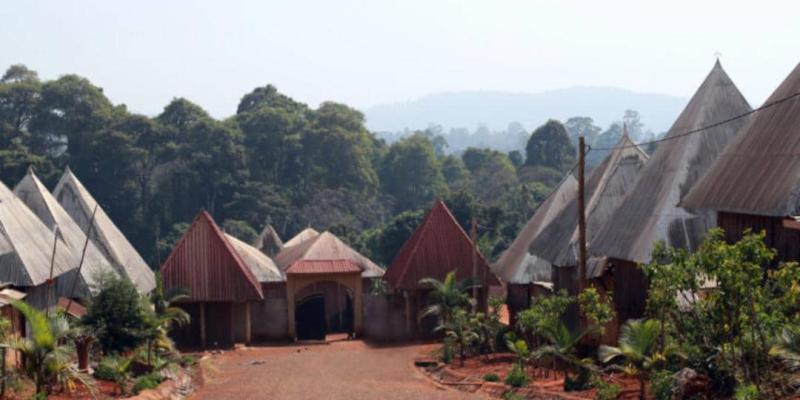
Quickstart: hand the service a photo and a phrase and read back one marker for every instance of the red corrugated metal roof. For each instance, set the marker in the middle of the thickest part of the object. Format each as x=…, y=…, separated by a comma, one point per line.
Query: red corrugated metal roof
x=76, y=310
x=207, y=265
x=438, y=246
x=323, y=267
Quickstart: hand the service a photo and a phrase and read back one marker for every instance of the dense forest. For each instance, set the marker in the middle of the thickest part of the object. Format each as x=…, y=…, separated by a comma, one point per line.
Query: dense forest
x=275, y=161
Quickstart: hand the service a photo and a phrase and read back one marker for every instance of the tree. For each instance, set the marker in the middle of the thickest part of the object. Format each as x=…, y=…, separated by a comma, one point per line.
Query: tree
x=455, y=173
x=47, y=360
x=460, y=331
x=638, y=346
x=116, y=315
x=549, y=146
x=581, y=126
x=447, y=296
x=411, y=173
x=240, y=230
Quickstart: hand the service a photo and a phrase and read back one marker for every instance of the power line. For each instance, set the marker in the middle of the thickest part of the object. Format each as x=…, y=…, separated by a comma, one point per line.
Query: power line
x=705, y=128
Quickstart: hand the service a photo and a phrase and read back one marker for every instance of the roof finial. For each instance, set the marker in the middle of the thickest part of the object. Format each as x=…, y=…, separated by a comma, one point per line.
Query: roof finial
x=625, y=130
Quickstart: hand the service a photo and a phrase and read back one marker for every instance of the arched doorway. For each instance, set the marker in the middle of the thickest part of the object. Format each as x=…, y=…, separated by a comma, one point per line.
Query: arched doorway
x=343, y=302
x=323, y=307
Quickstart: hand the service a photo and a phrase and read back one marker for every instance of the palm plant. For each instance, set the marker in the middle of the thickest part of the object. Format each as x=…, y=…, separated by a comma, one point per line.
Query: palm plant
x=46, y=360
x=521, y=352
x=447, y=296
x=639, y=346
x=118, y=369
x=561, y=347
x=461, y=332
x=162, y=316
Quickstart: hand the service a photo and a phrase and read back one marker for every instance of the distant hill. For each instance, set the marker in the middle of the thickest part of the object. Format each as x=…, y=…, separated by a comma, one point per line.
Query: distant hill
x=497, y=109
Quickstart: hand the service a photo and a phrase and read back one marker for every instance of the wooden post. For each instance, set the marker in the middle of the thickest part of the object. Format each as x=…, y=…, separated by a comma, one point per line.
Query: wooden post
x=290, y=307
x=248, y=332
x=406, y=296
x=581, y=214
x=203, y=325
x=474, y=236
x=358, y=305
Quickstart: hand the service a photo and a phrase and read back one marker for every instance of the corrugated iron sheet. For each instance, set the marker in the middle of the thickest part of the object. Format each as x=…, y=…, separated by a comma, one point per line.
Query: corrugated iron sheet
x=438, y=246
x=208, y=266
x=650, y=210
x=759, y=171
x=323, y=267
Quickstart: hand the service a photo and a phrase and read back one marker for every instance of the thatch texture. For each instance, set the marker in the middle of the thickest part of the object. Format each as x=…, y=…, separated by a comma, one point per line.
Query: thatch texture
x=304, y=235
x=326, y=246
x=517, y=264
x=604, y=190
x=26, y=245
x=759, y=171
x=268, y=241
x=650, y=211
x=80, y=204
x=39, y=200
x=262, y=267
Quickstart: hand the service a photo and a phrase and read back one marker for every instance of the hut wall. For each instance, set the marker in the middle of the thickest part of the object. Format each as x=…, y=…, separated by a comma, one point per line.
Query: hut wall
x=518, y=298
x=188, y=336
x=219, y=329
x=270, y=317
x=785, y=241
x=630, y=290
x=384, y=318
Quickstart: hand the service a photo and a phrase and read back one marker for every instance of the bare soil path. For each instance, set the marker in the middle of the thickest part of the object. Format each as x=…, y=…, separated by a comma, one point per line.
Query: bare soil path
x=347, y=370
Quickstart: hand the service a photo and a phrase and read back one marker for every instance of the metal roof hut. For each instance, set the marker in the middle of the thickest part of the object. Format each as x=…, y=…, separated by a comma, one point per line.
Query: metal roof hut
x=650, y=211
x=320, y=266
x=756, y=180
x=268, y=241
x=439, y=245
x=525, y=273
x=80, y=205
x=39, y=200
x=222, y=276
x=26, y=253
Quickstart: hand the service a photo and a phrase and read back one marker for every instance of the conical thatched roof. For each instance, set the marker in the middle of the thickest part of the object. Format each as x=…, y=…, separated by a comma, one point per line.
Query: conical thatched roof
x=263, y=268
x=326, y=246
x=606, y=187
x=26, y=245
x=305, y=234
x=759, y=171
x=268, y=241
x=517, y=264
x=34, y=194
x=80, y=204
x=650, y=211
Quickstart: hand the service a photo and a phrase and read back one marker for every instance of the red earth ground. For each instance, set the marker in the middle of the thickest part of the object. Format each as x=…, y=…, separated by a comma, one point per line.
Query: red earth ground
x=343, y=370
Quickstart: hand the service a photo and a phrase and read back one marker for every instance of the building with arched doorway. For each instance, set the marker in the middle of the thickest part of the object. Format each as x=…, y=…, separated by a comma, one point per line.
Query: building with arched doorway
x=314, y=286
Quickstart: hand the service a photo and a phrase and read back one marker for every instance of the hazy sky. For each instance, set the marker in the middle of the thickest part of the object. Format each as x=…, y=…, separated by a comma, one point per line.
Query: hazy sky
x=144, y=53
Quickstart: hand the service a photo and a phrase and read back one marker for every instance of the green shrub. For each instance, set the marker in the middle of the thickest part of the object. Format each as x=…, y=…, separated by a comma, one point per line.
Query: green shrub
x=579, y=382
x=661, y=384
x=746, y=392
x=510, y=395
x=149, y=381
x=187, y=360
x=116, y=314
x=606, y=390
x=517, y=377
x=491, y=377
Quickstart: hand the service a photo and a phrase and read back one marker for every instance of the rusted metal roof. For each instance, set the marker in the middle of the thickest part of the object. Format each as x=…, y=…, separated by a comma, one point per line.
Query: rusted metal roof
x=326, y=246
x=517, y=264
x=650, y=211
x=206, y=264
x=70, y=307
x=323, y=267
x=759, y=171
x=606, y=187
x=438, y=246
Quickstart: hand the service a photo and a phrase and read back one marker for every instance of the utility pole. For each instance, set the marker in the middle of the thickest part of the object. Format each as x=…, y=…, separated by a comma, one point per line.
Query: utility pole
x=473, y=233
x=581, y=214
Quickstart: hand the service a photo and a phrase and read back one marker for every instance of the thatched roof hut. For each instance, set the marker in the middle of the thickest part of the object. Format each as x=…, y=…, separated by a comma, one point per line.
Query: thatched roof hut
x=79, y=204
x=268, y=241
x=39, y=200
x=325, y=246
x=650, y=211
x=758, y=171
x=604, y=190
x=517, y=265
x=305, y=234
